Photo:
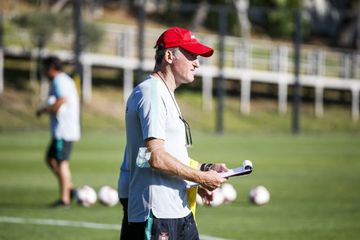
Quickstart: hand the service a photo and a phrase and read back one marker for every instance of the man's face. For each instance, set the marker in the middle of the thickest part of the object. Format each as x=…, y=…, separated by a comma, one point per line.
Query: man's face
x=184, y=66
x=50, y=72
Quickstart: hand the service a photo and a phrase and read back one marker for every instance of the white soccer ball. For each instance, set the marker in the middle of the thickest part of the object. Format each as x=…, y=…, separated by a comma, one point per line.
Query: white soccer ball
x=229, y=192
x=108, y=196
x=218, y=198
x=86, y=196
x=51, y=100
x=259, y=195
x=199, y=200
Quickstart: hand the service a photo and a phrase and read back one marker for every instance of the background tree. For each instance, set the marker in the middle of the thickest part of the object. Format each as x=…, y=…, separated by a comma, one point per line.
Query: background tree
x=41, y=28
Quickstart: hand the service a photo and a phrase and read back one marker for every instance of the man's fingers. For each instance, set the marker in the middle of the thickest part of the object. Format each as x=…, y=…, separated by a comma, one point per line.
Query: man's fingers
x=220, y=167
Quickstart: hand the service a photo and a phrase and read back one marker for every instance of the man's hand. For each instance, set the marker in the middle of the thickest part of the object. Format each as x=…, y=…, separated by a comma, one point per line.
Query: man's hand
x=206, y=195
x=39, y=112
x=211, y=180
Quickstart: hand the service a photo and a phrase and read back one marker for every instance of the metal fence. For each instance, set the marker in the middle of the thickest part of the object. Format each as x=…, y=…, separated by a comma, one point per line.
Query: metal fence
x=248, y=61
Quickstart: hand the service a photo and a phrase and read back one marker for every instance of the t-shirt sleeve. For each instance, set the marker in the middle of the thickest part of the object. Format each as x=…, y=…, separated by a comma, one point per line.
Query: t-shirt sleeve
x=57, y=88
x=152, y=113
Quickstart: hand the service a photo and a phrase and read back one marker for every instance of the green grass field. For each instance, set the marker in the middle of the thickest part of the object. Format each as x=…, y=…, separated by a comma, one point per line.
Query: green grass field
x=313, y=180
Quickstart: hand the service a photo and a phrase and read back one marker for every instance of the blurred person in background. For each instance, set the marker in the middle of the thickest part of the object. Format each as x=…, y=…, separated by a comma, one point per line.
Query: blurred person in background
x=63, y=108
x=152, y=186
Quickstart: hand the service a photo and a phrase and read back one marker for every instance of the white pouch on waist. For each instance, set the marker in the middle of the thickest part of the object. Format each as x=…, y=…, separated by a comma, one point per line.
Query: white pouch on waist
x=143, y=157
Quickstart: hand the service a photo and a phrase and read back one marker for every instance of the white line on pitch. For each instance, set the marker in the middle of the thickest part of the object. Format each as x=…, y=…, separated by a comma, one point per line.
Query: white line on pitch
x=67, y=223
x=58, y=222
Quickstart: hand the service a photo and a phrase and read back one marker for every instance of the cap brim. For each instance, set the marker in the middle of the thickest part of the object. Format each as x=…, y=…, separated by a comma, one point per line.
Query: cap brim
x=198, y=49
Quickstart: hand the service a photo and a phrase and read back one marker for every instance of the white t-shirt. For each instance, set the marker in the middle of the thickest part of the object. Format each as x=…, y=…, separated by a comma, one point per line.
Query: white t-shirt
x=151, y=113
x=65, y=123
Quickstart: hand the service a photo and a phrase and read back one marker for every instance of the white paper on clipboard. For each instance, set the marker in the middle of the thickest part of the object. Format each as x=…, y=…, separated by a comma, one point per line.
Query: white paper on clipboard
x=236, y=172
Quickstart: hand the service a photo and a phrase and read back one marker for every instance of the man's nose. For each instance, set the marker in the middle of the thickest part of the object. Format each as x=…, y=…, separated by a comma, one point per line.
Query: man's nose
x=196, y=63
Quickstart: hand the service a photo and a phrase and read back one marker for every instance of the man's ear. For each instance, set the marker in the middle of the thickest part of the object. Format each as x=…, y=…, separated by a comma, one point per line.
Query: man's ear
x=169, y=56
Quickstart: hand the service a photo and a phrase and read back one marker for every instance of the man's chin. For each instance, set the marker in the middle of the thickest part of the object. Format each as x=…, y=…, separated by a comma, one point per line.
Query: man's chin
x=191, y=79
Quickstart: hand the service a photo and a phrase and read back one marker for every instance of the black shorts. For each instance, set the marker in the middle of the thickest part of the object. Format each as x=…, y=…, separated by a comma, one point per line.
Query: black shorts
x=179, y=228
x=124, y=232
x=59, y=149
x=165, y=229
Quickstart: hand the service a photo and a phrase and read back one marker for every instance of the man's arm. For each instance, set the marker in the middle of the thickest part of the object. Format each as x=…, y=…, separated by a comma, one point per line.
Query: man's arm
x=51, y=108
x=163, y=161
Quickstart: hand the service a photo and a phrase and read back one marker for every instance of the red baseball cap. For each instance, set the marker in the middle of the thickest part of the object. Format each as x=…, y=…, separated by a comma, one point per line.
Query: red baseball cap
x=180, y=37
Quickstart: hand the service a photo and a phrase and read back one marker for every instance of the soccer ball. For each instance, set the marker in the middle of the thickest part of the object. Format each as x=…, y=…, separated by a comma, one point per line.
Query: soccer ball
x=51, y=100
x=229, y=192
x=199, y=200
x=218, y=198
x=259, y=195
x=108, y=196
x=86, y=196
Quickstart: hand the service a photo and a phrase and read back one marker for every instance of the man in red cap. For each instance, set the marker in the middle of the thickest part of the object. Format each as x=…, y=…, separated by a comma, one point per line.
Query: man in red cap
x=155, y=169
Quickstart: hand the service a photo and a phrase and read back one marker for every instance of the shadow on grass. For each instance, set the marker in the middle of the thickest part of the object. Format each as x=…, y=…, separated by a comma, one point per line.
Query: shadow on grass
x=34, y=206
